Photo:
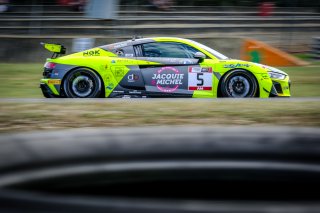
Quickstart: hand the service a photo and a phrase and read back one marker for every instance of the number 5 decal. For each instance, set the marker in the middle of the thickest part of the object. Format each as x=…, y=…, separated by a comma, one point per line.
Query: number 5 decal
x=200, y=78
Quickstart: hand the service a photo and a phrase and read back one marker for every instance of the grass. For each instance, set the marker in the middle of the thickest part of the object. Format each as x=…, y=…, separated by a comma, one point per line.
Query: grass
x=16, y=116
x=22, y=80
x=305, y=80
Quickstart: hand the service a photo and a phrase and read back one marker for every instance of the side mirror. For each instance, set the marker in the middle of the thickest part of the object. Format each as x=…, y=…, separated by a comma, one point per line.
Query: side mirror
x=200, y=56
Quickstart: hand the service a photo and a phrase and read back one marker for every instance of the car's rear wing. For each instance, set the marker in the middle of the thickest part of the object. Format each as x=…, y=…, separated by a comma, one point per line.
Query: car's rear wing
x=57, y=49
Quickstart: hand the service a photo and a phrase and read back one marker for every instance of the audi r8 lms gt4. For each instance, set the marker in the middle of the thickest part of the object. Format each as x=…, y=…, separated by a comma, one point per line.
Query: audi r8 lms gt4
x=157, y=67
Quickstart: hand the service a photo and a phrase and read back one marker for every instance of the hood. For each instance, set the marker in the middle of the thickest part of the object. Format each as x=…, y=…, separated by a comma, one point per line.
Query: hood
x=273, y=69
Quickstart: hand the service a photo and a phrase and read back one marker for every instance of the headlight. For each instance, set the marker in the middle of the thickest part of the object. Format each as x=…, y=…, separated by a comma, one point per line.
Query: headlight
x=276, y=75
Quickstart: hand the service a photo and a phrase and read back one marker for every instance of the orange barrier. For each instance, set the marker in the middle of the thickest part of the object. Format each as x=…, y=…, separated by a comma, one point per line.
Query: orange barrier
x=260, y=52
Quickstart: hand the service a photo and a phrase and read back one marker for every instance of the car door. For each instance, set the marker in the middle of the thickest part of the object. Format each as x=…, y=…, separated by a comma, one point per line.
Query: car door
x=178, y=74
x=126, y=72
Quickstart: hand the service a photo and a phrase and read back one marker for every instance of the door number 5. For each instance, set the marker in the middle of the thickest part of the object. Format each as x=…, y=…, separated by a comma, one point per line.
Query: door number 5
x=200, y=78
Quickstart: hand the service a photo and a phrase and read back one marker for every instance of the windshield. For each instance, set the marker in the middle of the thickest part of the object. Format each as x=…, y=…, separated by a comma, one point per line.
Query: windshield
x=212, y=51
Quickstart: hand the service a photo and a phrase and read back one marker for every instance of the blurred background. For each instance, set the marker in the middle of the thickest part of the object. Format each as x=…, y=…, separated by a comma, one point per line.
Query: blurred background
x=290, y=25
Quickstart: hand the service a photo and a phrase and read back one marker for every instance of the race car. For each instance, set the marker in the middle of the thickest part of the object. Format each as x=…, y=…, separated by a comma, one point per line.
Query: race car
x=157, y=67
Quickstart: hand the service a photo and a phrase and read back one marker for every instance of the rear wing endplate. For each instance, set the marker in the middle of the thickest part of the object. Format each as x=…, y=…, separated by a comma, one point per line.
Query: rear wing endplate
x=57, y=49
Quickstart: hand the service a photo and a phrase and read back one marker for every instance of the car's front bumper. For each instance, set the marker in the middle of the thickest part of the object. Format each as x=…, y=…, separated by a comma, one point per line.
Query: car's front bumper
x=280, y=88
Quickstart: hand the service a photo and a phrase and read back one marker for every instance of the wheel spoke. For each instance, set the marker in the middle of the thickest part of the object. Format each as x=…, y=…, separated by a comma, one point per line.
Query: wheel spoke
x=82, y=83
x=82, y=86
x=238, y=86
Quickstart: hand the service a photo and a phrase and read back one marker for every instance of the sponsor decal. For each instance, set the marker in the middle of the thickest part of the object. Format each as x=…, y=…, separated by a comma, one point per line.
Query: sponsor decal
x=56, y=72
x=265, y=76
x=187, y=62
x=91, y=53
x=194, y=69
x=133, y=78
x=235, y=65
x=110, y=86
x=167, y=79
x=128, y=55
x=135, y=92
x=199, y=69
x=118, y=91
x=206, y=69
x=54, y=81
x=108, y=77
x=124, y=60
x=119, y=72
x=113, y=62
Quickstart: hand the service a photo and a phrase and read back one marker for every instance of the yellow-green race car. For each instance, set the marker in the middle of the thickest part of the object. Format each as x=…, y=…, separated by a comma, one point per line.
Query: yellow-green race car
x=157, y=67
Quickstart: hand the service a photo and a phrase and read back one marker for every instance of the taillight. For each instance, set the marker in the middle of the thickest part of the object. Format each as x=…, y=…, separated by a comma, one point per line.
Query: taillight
x=48, y=69
x=49, y=65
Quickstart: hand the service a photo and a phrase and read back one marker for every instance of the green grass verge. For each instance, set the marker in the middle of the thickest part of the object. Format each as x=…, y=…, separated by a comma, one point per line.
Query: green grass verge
x=22, y=80
x=16, y=116
x=305, y=81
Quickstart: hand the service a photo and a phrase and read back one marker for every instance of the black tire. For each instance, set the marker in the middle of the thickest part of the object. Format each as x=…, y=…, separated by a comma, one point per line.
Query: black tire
x=82, y=83
x=239, y=84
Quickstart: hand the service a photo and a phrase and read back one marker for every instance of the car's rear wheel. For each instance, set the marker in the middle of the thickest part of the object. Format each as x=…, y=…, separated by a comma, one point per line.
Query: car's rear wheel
x=239, y=84
x=82, y=83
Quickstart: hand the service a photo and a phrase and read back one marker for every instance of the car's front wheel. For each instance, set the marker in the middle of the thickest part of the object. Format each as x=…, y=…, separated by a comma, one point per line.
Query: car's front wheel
x=239, y=84
x=82, y=83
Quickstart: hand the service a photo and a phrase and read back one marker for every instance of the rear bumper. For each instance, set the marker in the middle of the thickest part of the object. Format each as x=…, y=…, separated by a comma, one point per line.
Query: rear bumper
x=47, y=92
x=49, y=87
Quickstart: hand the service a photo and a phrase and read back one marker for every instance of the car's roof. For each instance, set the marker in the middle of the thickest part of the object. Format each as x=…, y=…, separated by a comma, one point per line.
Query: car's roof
x=113, y=47
x=142, y=41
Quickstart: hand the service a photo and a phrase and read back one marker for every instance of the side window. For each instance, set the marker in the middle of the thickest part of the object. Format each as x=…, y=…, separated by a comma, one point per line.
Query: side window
x=191, y=50
x=168, y=50
x=120, y=50
x=125, y=51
